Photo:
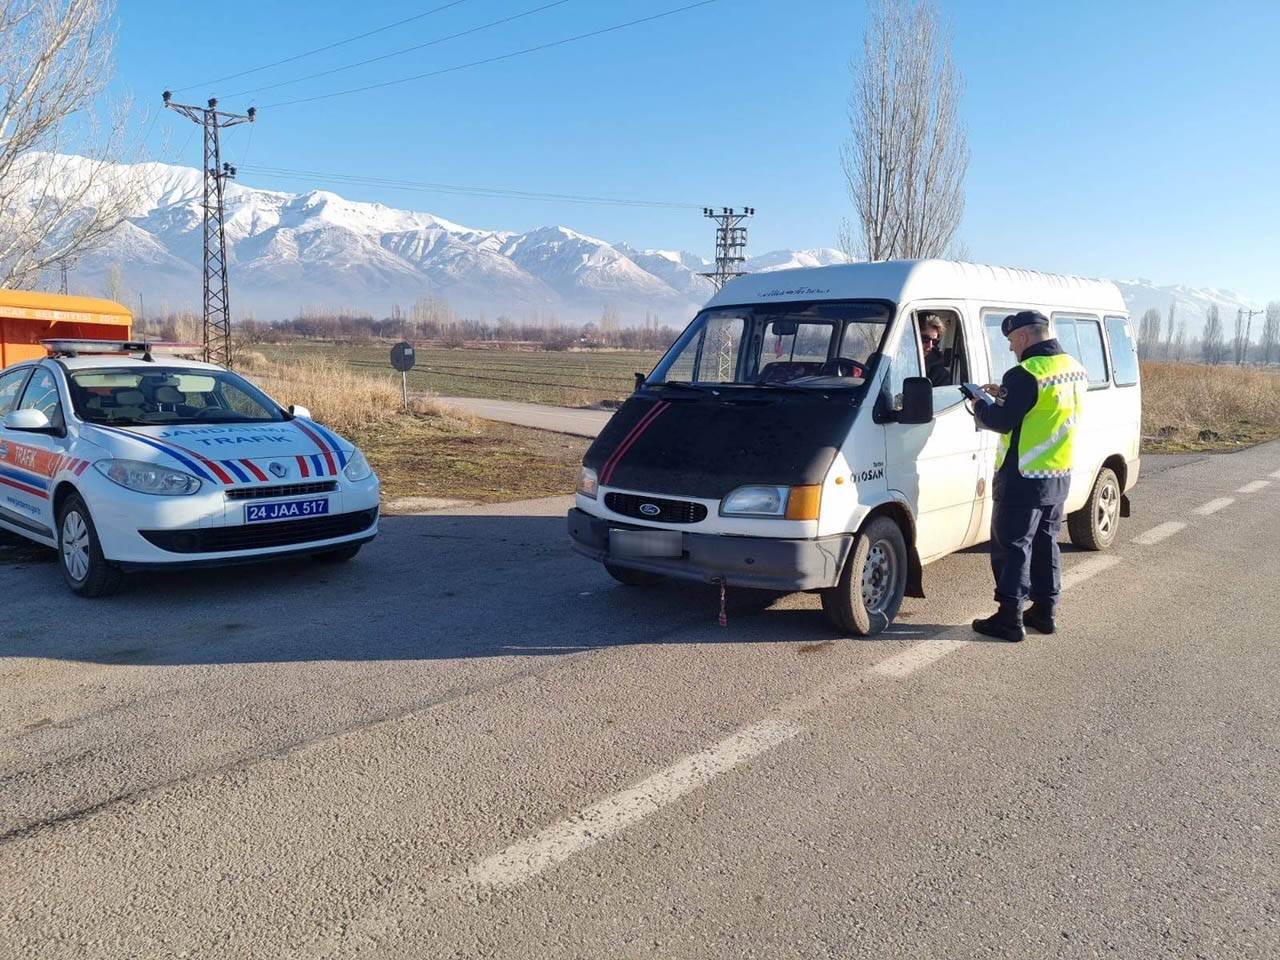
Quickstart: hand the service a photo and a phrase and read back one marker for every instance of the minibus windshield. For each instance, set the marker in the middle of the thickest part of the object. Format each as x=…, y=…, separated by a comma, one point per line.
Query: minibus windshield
x=820, y=345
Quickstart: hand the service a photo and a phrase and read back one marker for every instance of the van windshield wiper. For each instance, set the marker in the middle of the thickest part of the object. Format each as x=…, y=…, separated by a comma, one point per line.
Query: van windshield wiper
x=678, y=385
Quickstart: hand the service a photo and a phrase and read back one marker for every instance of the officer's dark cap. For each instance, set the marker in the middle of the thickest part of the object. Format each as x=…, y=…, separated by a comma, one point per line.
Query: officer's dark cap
x=1024, y=319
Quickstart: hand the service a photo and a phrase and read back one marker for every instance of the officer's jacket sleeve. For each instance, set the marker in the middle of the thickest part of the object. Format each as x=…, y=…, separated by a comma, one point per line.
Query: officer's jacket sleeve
x=1020, y=394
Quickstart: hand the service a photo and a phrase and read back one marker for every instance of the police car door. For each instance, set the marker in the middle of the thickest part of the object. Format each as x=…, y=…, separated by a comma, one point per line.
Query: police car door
x=38, y=454
x=16, y=504
x=935, y=466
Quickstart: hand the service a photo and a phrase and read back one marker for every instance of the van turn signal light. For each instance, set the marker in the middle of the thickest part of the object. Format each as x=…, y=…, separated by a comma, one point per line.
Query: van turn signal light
x=803, y=503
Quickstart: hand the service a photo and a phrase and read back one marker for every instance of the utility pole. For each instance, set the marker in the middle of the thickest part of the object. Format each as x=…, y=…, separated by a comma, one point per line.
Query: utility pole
x=731, y=243
x=1248, y=333
x=217, y=301
x=64, y=266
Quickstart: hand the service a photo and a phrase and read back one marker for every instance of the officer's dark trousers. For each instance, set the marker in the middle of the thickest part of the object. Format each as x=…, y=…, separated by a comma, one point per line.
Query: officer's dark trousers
x=1024, y=553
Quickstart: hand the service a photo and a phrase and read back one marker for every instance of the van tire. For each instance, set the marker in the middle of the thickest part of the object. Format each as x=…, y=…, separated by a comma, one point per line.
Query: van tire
x=86, y=571
x=1094, y=526
x=633, y=578
x=869, y=594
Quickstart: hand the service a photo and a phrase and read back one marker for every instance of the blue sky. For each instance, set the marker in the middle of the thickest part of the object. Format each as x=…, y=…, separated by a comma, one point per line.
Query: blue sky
x=1122, y=139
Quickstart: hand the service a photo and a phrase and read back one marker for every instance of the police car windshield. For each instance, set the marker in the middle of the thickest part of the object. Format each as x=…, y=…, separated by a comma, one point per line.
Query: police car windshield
x=810, y=345
x=129, y=395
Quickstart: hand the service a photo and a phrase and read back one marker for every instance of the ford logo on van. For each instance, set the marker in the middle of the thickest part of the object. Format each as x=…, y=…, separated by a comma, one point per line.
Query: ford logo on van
x=650, y=509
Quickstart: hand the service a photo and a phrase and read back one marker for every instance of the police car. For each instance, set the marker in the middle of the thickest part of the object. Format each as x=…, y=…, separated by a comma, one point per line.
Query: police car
x=124, y=458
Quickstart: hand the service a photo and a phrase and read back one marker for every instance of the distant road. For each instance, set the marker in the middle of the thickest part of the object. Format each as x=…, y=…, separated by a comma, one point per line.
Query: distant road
x=582, y=423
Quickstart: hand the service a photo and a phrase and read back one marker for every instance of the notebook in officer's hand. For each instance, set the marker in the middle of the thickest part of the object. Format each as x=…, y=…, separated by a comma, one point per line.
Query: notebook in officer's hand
x=975, y=392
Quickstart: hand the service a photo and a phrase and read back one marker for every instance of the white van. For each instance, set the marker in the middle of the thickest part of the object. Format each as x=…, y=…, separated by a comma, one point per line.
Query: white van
x=789, y=441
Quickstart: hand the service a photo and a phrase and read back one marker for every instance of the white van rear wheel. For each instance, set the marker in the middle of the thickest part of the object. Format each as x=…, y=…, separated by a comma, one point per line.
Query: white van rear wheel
x=869, y=593
x=1094, y=526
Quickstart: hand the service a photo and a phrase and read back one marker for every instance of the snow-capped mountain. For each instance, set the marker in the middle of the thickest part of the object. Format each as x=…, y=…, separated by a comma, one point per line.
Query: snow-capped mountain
x=317, y=249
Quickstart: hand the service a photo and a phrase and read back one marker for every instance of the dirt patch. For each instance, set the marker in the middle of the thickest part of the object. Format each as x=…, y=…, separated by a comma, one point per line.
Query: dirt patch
x=440, y=459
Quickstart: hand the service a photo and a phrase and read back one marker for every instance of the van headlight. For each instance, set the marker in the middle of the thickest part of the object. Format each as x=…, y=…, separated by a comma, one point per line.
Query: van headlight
x=791, y=503
x=148, y=478
x=588, y=483
x=357, y=467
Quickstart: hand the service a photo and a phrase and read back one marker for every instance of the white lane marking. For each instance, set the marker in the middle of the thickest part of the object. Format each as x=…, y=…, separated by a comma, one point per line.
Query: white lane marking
x=920, y=655
x=1085, y=569
x=927, y=652
x=1162, y=532
x=1254, y=486
x=523, y=861
x=1213, y=506
x=526, y=859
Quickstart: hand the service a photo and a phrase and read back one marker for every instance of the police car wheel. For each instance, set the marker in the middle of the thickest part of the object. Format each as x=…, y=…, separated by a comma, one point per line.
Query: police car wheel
x=1094, y=526
x=633, y=578
x=84, y=568
x=869, y=594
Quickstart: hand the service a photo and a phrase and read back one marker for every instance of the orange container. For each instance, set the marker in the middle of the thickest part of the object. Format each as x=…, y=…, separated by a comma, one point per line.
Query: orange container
x=27, y=317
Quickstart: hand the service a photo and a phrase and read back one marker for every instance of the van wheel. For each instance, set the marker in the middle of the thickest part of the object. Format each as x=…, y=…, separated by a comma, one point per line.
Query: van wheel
x=1094, y=526
x=84, y=568
x=869, y=593
x=633, y=578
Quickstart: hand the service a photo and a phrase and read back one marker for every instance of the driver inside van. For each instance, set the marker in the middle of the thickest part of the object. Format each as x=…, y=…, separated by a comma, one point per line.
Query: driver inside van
x=932, y=330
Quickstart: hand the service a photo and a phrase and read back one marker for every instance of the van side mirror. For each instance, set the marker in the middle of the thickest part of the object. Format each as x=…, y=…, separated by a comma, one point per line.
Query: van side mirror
x=639, y=380
x=917, y=400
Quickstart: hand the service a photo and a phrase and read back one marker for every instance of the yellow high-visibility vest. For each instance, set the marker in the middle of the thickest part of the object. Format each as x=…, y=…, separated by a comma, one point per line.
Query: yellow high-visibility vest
x=1046, y=441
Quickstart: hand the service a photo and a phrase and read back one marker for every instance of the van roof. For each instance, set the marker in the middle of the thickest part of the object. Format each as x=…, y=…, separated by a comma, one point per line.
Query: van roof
x=902, y=281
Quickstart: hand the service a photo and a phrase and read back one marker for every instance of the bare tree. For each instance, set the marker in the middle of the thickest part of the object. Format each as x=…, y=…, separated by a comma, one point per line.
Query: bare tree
x=1148, y=333
x=115, y=288
x=1180, y=341
x=1271, y=331
x=1240, y=342
x=905, y=160
x=1168, y=337
x=55, y=62
x=1212, y=347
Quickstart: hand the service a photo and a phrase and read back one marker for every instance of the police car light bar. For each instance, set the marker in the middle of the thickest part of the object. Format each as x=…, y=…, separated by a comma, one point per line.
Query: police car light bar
x=75, y=348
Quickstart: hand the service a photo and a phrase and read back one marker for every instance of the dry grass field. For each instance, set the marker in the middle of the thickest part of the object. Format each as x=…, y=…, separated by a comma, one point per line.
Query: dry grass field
x=430, y=450
x=1188, y=406
x=561, y=378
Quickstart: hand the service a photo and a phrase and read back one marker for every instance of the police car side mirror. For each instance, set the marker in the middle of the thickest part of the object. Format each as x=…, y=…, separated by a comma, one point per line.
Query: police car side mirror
x=295, y=410
x=33, y=420
x=917, y=400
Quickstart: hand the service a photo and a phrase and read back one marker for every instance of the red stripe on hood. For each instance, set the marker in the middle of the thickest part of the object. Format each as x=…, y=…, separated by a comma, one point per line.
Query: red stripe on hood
x=629, y=440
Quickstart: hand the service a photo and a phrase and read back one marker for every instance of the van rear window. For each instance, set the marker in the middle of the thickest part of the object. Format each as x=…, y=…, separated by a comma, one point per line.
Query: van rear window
x=1082, y=338
x=1124, y=357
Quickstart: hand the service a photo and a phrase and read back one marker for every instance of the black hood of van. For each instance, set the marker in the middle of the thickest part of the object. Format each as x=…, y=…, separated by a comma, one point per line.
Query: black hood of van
x=706, y=445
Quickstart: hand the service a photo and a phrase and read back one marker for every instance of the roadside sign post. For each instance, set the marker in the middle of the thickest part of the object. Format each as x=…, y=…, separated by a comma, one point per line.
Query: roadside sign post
x=402, y=358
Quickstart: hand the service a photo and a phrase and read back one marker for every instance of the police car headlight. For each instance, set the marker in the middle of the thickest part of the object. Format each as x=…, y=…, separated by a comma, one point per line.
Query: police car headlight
x=357, y=467
x=148, y=478
x=588, y=483
x=792, y=503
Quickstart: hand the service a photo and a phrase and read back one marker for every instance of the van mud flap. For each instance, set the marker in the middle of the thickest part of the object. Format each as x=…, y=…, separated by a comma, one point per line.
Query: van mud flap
x=915, y=575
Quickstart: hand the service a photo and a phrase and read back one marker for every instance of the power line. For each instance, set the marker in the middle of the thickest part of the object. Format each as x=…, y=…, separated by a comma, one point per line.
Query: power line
x=398, y=53
x=505, y=56
x=337, y=43
x=457, y=189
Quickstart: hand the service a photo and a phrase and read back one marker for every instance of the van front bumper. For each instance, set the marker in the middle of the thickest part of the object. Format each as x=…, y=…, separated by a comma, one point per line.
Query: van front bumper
x=764, y=563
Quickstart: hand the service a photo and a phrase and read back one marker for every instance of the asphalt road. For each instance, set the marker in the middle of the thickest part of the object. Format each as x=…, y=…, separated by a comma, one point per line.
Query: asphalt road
x=470, y=742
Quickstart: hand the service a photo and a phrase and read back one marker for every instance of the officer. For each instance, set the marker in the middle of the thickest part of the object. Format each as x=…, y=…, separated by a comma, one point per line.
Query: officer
x=1037, y=407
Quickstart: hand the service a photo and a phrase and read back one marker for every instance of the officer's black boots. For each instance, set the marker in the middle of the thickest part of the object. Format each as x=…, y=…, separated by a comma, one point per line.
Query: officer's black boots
x=1005, y=625
x=1039, y=617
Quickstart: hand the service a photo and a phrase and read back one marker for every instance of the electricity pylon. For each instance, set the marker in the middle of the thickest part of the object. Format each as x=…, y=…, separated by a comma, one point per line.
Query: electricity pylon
x=217, y=300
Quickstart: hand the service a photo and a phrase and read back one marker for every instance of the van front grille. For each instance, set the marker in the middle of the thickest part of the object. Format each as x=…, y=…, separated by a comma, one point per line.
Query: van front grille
x=660, y=509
